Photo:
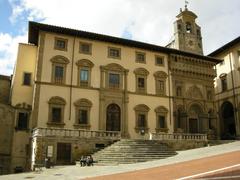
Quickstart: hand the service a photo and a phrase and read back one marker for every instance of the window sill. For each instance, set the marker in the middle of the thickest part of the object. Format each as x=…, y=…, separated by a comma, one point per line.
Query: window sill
x=60, y=124
x=159, y=130
x=22, y=129
x=82, y=126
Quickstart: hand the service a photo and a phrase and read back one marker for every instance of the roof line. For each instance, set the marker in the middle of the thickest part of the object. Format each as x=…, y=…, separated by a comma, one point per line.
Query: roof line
x=224, y=47
x=35, y=27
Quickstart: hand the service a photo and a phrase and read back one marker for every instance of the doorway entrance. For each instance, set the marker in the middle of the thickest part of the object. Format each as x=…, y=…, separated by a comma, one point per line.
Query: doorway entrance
x=113, y=122
x=228, y=121
x=63, y=153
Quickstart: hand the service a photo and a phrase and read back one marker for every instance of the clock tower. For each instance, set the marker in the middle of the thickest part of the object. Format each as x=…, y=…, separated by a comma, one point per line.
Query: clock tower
x=187, y=34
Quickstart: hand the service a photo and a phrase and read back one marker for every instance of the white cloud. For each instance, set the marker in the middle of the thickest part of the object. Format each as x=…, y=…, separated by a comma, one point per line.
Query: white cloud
x=149, y=21
x=8, y=52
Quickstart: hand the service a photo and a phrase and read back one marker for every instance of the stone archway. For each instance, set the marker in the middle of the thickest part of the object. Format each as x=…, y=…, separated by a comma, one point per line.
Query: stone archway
x=113, y=115
x=228, y=126
x=194, y=113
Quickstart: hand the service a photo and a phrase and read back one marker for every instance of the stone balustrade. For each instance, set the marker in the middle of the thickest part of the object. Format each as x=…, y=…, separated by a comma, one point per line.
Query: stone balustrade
x=57, y=132
x=178, y=136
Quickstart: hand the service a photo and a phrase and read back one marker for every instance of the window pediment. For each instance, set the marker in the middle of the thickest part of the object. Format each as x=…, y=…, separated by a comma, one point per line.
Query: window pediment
x=142, y=108
x=141, y=71
x=223, y=76
x=160, y=74
x=83, y=103
x=161, y=109
x=57, y=100
x=84, y=63
x=114, y=67
x=60, y=59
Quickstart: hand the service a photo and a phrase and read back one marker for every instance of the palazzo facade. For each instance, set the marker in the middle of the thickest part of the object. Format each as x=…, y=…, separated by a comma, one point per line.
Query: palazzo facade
x=68, y=79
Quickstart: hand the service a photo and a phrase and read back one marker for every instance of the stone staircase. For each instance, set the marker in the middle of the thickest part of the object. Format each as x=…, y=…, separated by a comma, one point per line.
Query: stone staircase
x=127, y=151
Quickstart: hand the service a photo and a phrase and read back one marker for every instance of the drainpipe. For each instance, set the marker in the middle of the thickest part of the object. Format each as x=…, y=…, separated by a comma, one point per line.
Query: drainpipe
x=169, y=91
x=234, y=98
x=70, y=95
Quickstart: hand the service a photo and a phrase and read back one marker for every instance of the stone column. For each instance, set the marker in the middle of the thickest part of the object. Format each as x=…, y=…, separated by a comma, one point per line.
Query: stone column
x=101, y=101
x=125, y=132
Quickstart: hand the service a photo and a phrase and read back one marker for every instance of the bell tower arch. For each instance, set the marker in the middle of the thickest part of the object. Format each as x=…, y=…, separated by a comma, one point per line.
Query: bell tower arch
x=187, y=34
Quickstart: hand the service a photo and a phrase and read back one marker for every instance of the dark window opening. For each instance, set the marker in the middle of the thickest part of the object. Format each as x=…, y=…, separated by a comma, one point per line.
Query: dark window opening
x=22, y=120
x=56, y=114
x=27, y=79
x=59, y=73
x=85, y=48
x=61, y=44
x=83, y=116
x=179, y=91
x=224, y=84
x=161, y=120
x=159, y=60
x=141, y=120
x=140, y=57
x=141, y=83
x=188, y=27
x=114, y=52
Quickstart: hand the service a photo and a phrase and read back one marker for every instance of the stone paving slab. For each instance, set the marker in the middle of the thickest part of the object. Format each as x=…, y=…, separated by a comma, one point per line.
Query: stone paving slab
x=77, y=172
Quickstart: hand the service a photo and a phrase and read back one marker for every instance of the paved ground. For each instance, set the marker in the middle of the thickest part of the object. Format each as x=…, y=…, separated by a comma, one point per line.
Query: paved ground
x=201, y=160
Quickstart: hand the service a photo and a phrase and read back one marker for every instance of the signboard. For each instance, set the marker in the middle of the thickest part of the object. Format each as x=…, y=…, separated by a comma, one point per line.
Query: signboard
x=50, y=151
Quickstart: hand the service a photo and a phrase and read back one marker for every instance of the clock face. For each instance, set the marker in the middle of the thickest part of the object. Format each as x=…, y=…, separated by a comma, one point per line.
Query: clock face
x=190, y=44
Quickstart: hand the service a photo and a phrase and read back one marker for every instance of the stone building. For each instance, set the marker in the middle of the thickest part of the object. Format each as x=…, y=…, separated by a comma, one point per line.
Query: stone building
x=71, y=87
x=6, y=125
x=227, y=89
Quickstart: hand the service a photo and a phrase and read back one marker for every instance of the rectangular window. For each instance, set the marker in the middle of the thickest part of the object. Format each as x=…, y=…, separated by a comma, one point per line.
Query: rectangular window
x=84, y=77
x=179, y=91
x=161, y=120
x=140, y=57
x=61, y=44
x=27, y=79
x=59, y=74
x=85, y=48
x=83, y=116
x=114, y=80
x=141, y=120
x=141, y=83
x=56, y=114
x=161, y=85
x=159, y=60
x=114, y=52
x=22, y=120
x=224, y=84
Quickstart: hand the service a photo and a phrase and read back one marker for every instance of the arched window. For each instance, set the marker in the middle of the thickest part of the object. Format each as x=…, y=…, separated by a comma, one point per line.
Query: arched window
x=59, y=65
x=188, y=27
x=84, y=72
x=141, y=80
x=160, y=82
x=161, y=119
x=141, y=113
x=56, y=111
x=223, y=78
x=83, y=107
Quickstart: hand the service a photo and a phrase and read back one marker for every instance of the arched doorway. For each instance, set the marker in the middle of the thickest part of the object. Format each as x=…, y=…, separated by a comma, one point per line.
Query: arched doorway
x=113, y=122
x=228, y=121
x=194, y=118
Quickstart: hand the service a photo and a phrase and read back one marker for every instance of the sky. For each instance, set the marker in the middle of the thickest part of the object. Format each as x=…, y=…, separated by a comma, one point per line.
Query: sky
x=149, y=21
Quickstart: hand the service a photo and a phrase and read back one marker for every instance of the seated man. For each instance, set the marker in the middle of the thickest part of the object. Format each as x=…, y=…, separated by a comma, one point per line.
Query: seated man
x=83, y=161
x=89, y=161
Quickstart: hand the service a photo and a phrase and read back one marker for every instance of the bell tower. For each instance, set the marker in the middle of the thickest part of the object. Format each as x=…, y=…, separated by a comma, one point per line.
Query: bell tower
x=187, y=34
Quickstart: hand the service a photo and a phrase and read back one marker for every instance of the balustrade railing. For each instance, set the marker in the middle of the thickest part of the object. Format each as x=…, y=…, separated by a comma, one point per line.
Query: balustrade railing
x=178, y=136
x=48, y=132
